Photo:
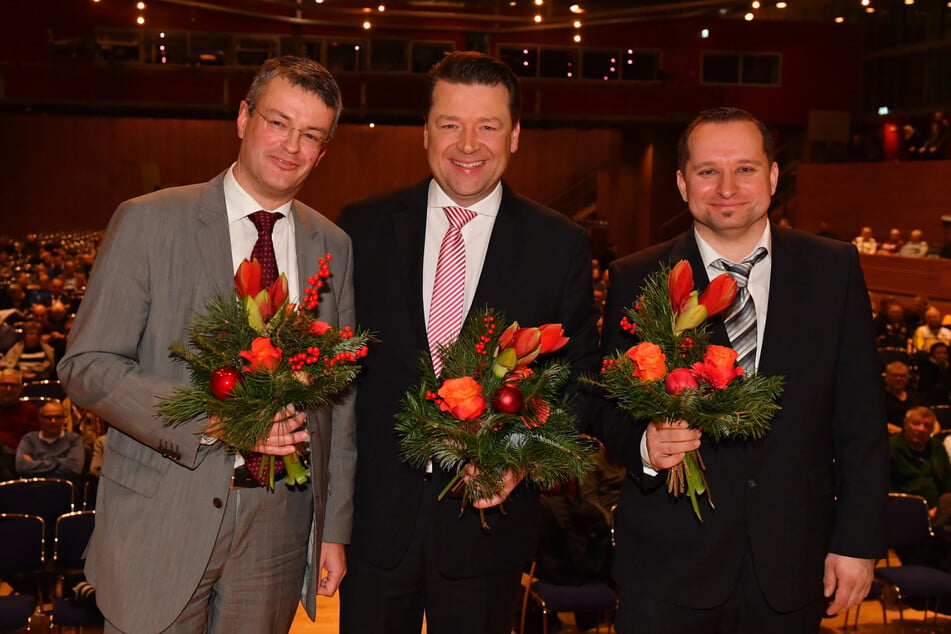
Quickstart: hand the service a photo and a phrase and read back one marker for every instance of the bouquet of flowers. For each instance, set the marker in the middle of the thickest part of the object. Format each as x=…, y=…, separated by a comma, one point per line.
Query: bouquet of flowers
x=674, y=373
x=489, y=408
x=252, y=353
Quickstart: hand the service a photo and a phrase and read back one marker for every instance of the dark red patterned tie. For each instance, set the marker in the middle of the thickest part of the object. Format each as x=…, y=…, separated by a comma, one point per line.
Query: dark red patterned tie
x=263, y=250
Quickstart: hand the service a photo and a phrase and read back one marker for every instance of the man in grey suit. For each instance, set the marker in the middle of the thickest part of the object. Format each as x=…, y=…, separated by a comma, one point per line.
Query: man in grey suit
x=180, y=545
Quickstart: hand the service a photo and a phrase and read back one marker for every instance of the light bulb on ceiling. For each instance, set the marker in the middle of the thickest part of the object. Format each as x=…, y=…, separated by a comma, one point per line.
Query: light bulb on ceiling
x=749, y=17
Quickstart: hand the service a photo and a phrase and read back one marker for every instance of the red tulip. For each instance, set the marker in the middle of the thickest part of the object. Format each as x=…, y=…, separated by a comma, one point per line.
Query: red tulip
x=247, y=279
x=552, y=337
x=679, y=285
x=719, y=294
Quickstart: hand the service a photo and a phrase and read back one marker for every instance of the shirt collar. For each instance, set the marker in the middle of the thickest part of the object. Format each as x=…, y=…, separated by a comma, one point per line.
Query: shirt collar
x=240, y=203
x=709, y=255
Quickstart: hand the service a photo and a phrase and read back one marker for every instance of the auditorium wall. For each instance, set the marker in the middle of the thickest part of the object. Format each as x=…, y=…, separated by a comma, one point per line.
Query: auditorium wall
x=70, y=172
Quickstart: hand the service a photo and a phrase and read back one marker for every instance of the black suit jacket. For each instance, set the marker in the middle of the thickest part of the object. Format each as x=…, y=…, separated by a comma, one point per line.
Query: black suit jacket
x=537, y=270
x=815, y=484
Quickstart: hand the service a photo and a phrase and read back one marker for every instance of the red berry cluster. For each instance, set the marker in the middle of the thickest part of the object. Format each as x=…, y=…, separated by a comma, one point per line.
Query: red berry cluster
x=311, y=299
x=607, y=364
x=299, y=360
x=685, y=345
x=345, y=357
x=627, y=326
x=346, y=333
x=486, y=338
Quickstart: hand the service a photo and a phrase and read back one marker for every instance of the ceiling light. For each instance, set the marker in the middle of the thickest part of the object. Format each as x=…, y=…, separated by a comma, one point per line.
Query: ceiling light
x=839, y=20
x=577, y=24
x=780, y=5
x=576, y=8
x=140, y=20
x=367, y=26
x=577, y=38
x=538, y=18
x=748, y=17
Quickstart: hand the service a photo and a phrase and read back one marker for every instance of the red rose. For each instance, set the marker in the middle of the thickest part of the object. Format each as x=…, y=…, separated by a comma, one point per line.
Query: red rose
x=462, y=398
x=263, y=356
x=718, y=367
x=649, y=361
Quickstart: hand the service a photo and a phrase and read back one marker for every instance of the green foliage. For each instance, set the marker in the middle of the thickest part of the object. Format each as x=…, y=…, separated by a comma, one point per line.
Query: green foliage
x=217, y=338
x=495, y=442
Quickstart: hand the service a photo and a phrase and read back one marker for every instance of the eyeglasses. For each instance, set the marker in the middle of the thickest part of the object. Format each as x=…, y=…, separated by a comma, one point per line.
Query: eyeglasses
x=278, y=128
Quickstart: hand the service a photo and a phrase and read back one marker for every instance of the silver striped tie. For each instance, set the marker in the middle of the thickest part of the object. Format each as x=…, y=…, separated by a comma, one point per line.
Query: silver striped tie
x=740, y=317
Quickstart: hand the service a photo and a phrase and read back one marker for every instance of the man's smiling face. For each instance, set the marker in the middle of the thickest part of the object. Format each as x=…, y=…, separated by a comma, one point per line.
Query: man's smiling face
x=469, y=138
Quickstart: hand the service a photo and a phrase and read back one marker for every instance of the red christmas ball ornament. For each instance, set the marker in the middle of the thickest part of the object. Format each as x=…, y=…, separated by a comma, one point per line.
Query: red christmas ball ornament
x=223, y=381
x=507, y=399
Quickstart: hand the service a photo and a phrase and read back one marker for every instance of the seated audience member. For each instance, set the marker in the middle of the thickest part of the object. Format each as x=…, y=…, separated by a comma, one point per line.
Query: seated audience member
x=95, y=465
x=915, y=247
x=39, y=292
x=892, y=245
x=14, y=309
x=51, y=452
x=898, y=397
x=865, y=243
x=826, y=232
x=934, y=375
x=891, y=330
x=58, y=294
x=919, y=462
x=16, y=419
x=933, y=147
x=31, y=356
x=931, y=331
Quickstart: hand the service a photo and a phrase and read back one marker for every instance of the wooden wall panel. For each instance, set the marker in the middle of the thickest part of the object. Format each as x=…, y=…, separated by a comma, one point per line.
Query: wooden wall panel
x=63, y=173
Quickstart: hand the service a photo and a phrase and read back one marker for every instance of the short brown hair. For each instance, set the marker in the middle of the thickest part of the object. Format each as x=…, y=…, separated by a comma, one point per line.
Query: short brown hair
x=474, y=68
x=723, y=115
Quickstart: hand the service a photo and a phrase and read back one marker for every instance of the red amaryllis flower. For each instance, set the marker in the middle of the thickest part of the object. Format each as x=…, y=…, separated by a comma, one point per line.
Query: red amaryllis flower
x=718, y=367
x=680, y=285
x=719, y=294
x=650, y=363
x=462, y=398
x=519, y=346
x=263, y=356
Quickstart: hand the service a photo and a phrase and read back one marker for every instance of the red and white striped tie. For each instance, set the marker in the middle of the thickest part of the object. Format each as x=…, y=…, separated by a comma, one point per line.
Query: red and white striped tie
x=449, y=290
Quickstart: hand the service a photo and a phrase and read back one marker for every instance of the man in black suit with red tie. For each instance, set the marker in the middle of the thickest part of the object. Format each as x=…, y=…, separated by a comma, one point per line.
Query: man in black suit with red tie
x=410, y=554
x=798, y=521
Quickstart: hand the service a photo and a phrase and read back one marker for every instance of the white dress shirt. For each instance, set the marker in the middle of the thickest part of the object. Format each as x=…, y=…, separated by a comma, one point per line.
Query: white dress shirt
x=475, y=234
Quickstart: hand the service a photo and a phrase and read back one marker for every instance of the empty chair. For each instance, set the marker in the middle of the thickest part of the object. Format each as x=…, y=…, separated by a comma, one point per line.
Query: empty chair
x=908, y=530
x=72, y=534
x=47, y=497
x=943, y=414
x=21, y=562
x=595, y=596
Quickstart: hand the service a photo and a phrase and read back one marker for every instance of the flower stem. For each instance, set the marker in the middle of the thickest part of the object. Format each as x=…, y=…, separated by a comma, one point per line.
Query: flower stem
x=297, y=475
x=452, y=484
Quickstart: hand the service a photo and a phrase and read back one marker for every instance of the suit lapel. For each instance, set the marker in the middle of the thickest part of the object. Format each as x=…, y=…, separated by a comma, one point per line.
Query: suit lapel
x=501, y=258
x=409, y=242
x=213, y=239
x=783, y=305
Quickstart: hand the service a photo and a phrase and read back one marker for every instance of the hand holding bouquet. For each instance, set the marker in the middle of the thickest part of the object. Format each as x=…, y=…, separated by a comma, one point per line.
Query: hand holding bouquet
x=252, y=354
x=489, y=413
x=675, y=374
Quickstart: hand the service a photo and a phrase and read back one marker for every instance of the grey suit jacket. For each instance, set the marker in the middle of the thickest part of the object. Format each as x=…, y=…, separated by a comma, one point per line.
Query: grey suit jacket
x=161, y=491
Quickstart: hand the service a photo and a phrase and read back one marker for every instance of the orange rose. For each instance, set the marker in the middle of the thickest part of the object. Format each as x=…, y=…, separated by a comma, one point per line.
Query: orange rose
x=650, y=364
x=462, y=398
x=263, y=356
x=319, y=327
x=718, y=366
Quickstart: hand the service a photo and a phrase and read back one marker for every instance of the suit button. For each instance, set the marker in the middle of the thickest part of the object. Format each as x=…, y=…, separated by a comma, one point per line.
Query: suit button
x=751, y=484
x=218, y=503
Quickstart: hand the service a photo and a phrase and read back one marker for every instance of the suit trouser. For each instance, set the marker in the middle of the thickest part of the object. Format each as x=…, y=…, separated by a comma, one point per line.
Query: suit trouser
x=746, y=611
x=392, y=601
x=253, y=580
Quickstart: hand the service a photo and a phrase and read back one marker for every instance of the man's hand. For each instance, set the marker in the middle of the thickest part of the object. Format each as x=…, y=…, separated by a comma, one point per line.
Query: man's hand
x=510, y=480
x=667, y=443
x=281, y=439
x=849, y=578
x=333, y=561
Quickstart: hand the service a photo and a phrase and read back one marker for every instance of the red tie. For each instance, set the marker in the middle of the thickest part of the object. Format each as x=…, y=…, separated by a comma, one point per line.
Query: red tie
x=449, y=290
x=263, y=250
